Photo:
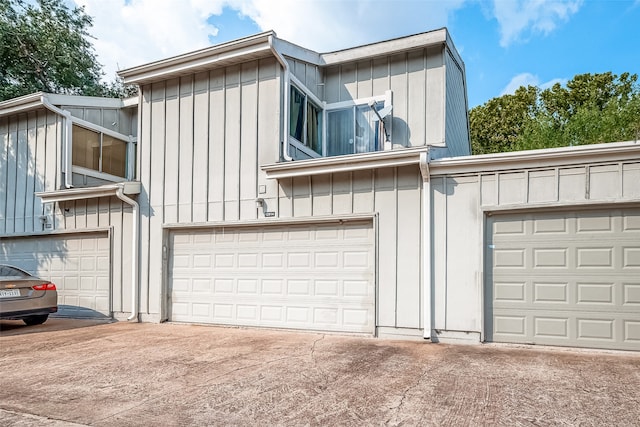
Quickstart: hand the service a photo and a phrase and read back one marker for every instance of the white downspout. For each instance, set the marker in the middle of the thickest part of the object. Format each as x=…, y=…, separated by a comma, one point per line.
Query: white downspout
x=68, y=173
x=285, y=114
x=134, y=252
x=426, y=242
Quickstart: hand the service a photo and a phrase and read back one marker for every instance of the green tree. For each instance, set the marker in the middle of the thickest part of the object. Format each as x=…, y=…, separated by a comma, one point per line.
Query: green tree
x=46, y=47
x=591, y=108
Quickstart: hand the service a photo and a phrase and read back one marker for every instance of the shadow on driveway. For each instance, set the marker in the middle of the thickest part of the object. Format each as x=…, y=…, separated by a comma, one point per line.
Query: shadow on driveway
x=17, y=327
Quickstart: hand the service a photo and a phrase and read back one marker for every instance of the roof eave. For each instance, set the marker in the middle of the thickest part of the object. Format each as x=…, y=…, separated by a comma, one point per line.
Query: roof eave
x=209, y=57
x=389, y=47
x=128, y=188
x=544, y=158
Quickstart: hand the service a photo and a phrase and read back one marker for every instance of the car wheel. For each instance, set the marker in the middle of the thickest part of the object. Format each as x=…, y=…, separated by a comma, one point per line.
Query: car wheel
x=36, y=320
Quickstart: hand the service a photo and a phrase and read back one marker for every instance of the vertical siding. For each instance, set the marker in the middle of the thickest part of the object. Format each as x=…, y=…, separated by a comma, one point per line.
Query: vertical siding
x=118, y=120
x=249, y=145
x=30, y=156
x=395, y=195
x=200, y=162
x=28, y=163
x=185, y=162
x=200, y=146
x=417, y=80
x=458, y=218
x=457, y=130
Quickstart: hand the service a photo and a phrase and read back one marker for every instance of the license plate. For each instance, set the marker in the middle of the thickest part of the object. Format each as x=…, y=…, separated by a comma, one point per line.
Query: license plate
x=9, y=293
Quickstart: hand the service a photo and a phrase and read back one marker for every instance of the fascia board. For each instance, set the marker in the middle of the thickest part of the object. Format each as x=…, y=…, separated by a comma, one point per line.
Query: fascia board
x=206, y=57
x=129, y=187
x=352, y=162
x=545, y=158
x=21, y=104
x=297, y=52
x=389, y=47
x=83, y=101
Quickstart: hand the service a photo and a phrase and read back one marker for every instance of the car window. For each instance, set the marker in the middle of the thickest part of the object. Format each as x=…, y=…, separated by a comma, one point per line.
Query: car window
x=8, y=271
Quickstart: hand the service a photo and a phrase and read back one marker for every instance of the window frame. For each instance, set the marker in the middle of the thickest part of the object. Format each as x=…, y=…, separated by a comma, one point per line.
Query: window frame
x=130, y=155
x=320, y=105
x=385, y=99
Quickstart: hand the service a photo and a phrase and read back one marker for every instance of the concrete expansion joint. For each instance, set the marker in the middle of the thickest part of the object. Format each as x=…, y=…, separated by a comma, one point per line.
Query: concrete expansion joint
x=313, y=347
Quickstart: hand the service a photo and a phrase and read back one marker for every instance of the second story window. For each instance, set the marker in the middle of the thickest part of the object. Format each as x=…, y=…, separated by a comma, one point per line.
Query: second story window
x=98, y=152
x=319, y=129
x=305, y=121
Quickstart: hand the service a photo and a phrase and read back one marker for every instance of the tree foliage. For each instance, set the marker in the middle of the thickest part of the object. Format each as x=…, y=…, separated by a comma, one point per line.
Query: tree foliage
x=591, y=108
x=46, y=47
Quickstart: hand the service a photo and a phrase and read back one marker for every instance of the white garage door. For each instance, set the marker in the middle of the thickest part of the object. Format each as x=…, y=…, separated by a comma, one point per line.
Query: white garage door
x=565, y=278
x=77, y=264
x=314, y=277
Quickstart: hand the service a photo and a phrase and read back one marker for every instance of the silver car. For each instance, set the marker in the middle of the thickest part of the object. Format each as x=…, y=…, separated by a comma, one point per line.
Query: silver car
x=26, y=297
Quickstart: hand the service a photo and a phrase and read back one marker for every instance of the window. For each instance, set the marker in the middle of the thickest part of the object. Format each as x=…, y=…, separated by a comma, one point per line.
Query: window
x=305, y=120
x=99, y=152
x=352, y=130
x=350, y=127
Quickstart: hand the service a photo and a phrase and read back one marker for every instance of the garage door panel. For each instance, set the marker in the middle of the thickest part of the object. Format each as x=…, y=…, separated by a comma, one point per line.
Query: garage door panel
x=569, y=278
x=78, y=265
x=305, y=276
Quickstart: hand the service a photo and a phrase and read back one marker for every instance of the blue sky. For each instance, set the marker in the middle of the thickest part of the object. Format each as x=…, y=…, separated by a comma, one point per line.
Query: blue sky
x=504, y=43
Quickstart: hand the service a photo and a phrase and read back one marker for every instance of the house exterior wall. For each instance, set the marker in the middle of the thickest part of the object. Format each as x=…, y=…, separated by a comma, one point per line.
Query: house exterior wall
x=456, y=120
x=417, y=80
x=461, y=202
x=203, y=137
x=30, y=162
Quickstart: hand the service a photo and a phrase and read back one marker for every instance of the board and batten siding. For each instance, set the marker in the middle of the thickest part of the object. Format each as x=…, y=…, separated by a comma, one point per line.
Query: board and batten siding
x=395, y=195
x=204, y=137
x=459, y=203
x=417, y=80
x=30, y=161
x=457, y=123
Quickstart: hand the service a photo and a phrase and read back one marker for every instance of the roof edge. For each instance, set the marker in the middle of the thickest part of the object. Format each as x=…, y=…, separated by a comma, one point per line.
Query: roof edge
x=184, y=62
x=543, y=158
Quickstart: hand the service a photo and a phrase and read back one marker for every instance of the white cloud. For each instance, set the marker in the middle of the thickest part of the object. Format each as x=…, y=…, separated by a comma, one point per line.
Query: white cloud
x=528, y=79
x=333, y=25
x=134, y=32
x=520, y=19
x=138, y=31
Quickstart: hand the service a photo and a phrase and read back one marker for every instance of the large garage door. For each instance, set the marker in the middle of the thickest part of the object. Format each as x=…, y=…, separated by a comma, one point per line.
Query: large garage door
x=77, y=264
x=315, y=277
x=565, y=278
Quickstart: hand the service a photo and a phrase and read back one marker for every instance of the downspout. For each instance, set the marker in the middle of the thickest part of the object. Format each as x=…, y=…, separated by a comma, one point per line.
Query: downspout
x=68, y=174
x=285, y=114
x=426, y=242
x=134, y=252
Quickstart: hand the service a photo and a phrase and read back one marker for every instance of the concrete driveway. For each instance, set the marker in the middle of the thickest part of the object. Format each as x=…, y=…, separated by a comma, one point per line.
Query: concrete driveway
x=106, y=374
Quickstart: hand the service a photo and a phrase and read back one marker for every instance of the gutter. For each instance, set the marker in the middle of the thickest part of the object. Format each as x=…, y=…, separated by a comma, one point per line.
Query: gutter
x=120, y=190
x=285, y=114
x=426, y=243
x=134, y=251
x=68, y=175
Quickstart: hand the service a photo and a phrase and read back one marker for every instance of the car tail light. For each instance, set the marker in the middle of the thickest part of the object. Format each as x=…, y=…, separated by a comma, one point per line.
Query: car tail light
x=45, y=287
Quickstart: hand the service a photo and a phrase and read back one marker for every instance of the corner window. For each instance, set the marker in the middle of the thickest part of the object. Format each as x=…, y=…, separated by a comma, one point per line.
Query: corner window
x=305, y=120
x=99, y=152
x=349, y=127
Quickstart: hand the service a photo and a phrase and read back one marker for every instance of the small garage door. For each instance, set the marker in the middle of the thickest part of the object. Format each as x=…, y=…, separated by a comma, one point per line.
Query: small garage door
x=314, y=277
x=77, y=264
x=565, y=278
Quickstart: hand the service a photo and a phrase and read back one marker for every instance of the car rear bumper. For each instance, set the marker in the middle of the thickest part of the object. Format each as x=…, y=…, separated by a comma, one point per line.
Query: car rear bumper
x=17, y=315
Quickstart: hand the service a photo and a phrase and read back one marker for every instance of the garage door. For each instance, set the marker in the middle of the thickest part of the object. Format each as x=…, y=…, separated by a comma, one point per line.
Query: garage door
x=78, y=265
x=565, y=278
x=314, y=277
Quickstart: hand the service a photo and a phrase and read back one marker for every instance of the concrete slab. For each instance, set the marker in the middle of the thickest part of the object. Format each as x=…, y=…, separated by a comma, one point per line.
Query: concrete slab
x=105, y=374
